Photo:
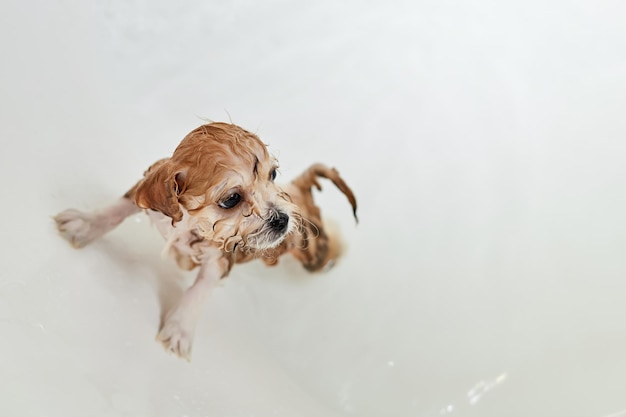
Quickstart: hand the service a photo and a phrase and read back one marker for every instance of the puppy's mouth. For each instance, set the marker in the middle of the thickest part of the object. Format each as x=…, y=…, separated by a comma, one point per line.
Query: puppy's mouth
x=273, y=232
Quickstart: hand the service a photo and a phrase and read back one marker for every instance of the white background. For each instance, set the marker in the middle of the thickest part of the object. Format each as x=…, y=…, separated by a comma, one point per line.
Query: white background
x=485, y=142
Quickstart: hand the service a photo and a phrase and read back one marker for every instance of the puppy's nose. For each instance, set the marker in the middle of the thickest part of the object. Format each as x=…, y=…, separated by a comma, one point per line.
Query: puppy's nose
x=280, y=222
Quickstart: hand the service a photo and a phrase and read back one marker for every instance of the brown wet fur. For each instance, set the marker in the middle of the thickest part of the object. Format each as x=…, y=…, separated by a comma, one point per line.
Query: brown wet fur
x=187, y=178
x=197, y=167
x=314, y=245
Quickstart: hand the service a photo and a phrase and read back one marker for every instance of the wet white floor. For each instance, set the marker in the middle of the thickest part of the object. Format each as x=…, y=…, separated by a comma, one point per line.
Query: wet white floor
x=485, y=143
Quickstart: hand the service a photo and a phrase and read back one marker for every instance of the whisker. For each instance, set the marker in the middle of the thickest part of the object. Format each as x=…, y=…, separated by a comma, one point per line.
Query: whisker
x=317, y=230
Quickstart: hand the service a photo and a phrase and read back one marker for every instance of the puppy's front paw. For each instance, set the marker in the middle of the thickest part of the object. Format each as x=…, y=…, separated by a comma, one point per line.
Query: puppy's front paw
x=75, y=227
x=176, y=338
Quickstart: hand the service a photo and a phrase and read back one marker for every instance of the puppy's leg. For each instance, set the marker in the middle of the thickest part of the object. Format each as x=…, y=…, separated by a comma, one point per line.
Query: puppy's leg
x=316, y=246
x=81, y=228
x=178, y=328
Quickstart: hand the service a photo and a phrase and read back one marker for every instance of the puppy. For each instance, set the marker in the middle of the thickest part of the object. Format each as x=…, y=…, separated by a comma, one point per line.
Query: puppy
x=216, y=204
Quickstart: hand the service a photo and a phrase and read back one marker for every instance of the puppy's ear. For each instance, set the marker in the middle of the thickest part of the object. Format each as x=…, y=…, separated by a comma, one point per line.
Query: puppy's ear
x=161, y=188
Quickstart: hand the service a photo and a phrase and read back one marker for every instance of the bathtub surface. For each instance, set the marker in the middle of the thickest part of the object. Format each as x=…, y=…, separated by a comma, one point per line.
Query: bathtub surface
x=485, y=143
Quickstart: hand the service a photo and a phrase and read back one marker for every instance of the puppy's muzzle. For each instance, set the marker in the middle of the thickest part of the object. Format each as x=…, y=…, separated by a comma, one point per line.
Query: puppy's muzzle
x=279, y=223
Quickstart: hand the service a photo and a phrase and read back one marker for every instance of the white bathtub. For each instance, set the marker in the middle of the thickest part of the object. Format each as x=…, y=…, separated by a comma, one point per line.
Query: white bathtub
x=486, y=146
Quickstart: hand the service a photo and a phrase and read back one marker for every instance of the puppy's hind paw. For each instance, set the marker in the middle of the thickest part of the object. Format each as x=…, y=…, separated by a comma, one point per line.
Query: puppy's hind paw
x=75, y=226
x=176, y=339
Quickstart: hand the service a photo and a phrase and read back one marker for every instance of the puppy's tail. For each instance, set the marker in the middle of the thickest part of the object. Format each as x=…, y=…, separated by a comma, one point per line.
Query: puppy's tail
x=308, y=179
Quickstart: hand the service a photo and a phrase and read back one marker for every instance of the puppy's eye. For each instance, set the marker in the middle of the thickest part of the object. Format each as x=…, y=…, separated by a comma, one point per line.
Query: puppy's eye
x=273, y=175
x=230, y=202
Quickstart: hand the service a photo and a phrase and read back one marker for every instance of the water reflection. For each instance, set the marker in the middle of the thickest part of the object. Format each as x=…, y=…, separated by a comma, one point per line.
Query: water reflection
x=482, y=388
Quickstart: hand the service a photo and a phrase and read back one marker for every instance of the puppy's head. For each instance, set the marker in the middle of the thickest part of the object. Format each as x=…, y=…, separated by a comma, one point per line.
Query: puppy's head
x=220, y=180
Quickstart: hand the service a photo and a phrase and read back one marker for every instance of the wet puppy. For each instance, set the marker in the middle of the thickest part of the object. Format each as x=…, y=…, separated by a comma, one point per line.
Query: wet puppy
x=216, y=204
